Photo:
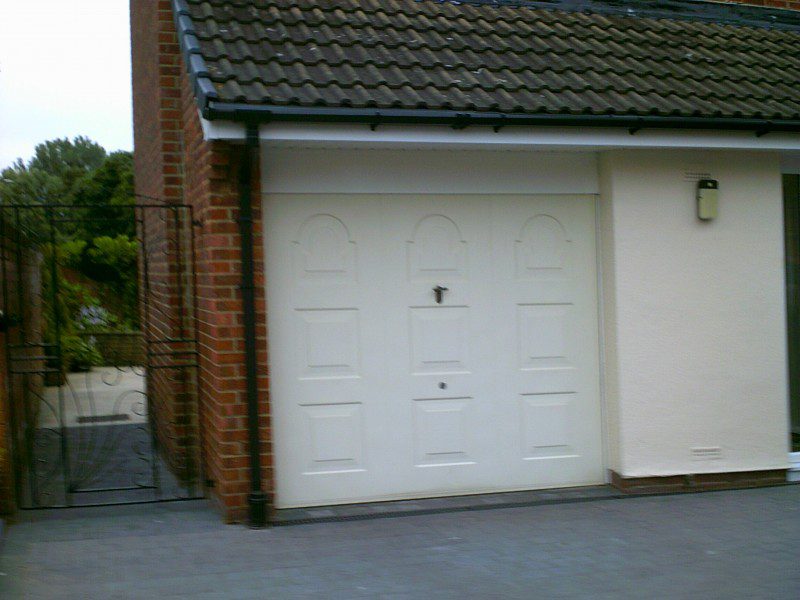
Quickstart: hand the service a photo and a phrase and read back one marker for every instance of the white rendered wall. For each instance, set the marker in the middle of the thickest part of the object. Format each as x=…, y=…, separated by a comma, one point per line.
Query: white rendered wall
x=694, y=313
x=694, y=317
x=607, y=295
x=419, y=171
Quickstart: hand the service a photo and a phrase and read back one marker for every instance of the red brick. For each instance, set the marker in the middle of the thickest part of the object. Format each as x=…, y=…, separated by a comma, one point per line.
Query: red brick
x=172, y=161
x=785, y=4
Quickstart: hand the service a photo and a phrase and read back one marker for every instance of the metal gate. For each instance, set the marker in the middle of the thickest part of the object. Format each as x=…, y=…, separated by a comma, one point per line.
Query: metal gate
x=101, y=353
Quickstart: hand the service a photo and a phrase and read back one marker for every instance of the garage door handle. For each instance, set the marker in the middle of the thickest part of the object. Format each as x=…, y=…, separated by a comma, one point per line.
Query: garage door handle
x=439, y=291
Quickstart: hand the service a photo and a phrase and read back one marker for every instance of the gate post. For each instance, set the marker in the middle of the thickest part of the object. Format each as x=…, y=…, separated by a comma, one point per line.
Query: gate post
x=6, y=487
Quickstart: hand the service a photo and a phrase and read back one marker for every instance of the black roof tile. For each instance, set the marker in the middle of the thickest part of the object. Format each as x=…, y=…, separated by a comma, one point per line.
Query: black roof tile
x=488, y=57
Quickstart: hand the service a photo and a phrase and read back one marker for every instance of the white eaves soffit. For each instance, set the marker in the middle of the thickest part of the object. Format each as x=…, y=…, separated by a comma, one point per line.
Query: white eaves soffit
x=555, y=138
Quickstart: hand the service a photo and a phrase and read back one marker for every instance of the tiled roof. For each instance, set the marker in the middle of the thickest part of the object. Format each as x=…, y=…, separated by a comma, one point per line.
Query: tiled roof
x=486, y=58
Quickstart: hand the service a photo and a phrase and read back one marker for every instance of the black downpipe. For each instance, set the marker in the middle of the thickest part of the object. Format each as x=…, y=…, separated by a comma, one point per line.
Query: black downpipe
x=257, y=499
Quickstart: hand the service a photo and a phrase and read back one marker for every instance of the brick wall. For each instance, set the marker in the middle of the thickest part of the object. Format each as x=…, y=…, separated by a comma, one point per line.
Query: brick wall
x=157, y=131
x=6, y=473
x=19, y=297
x=9, y=304
x=167, y=325
x=119, y=348
x=211, y=186
x=158, y=142
x=787, y=4
x=172, y=161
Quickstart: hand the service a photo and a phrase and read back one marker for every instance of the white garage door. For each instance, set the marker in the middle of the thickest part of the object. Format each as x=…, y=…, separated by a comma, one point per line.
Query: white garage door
x=383, y=387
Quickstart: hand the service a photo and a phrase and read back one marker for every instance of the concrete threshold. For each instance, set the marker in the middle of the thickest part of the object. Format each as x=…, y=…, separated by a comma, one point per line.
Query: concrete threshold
x=427, y=506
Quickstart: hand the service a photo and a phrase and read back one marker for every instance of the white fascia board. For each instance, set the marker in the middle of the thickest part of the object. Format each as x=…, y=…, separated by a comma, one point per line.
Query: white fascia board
x=221, y=130
x=555, y=138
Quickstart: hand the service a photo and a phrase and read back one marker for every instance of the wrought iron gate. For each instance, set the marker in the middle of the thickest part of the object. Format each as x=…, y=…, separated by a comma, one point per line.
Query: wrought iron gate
x=103, y=408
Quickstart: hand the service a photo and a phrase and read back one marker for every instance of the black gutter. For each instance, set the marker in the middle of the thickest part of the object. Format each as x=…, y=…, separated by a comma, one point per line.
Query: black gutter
x=257, y=499
x=212, y=108
x=254, y=113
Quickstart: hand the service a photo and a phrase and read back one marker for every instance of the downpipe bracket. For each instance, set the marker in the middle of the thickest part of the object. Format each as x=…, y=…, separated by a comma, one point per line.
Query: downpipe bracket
x=257, y=504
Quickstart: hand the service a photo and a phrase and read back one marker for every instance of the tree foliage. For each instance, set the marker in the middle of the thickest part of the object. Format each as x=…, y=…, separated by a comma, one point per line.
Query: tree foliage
x=92, y=236
x=107, y=195
x=49, y=176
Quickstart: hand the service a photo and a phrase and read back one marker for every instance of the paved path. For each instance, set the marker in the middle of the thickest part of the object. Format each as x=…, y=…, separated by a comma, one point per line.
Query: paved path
x=743, y=544
x=101, y=392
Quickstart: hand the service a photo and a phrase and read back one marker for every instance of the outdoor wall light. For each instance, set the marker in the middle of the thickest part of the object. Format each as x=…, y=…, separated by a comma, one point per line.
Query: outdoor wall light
x=707, y=199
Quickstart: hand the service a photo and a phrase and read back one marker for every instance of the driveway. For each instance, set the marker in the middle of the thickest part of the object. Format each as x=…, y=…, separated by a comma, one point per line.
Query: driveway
x=739, y=544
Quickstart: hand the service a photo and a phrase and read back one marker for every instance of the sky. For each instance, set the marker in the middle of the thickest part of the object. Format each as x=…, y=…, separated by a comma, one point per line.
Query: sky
x=65, y=70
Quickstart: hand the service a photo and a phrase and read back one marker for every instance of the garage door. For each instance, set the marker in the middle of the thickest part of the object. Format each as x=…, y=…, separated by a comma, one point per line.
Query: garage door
x=431, y=345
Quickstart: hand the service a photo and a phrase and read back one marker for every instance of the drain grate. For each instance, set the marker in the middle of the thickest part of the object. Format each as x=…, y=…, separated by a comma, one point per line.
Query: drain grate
x=104, y=418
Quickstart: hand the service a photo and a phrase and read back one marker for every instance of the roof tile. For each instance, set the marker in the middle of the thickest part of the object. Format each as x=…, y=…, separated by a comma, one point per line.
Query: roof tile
x=490, y=57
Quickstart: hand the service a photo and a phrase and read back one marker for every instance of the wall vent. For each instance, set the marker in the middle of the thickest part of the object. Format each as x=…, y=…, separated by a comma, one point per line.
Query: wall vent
x=104, y=418
x=707, y=453
x=690, y=175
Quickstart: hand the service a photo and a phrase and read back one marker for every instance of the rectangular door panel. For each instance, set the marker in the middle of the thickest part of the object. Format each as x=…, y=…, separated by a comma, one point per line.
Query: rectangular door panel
x=436, y=366
x=325, y=346
x=548, y=340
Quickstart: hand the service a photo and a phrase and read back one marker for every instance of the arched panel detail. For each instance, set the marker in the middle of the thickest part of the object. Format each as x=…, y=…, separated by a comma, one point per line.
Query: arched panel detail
x=542, y=247
x=324, y=250
x=437, y=250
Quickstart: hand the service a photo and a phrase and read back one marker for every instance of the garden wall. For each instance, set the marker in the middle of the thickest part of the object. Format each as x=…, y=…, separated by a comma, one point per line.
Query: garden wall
x=20, y=301
x=119, y=349
x=785, y=4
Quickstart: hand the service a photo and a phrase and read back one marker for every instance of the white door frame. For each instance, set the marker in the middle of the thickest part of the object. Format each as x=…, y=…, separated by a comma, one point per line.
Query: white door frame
x=603, y=411
x=601, y=341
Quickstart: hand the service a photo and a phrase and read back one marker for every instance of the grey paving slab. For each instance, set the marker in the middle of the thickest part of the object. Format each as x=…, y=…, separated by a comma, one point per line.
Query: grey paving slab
x=735, y=544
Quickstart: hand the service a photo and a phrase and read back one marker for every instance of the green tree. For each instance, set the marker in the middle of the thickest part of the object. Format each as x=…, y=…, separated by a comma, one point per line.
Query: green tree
x=107, y=195
x=68, y=160
x=94, y=235
x=113, y=261
x=49, y=176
